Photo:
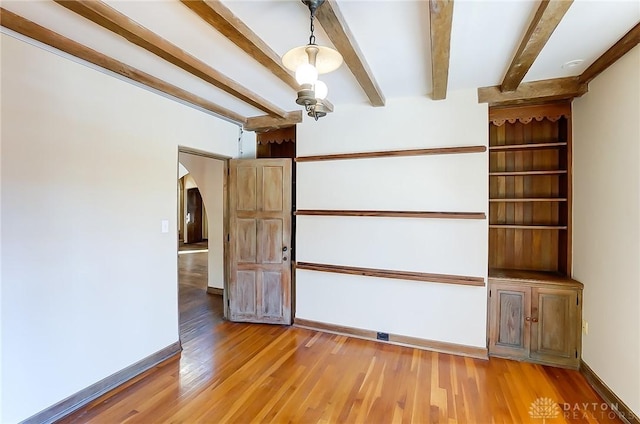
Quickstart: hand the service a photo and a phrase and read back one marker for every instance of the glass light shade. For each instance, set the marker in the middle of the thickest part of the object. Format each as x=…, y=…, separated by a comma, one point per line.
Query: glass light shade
x=306, y=74
x=321, y=89
x=327, y=59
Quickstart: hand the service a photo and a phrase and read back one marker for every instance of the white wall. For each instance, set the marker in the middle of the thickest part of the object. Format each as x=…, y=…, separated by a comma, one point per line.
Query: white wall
x=606, y=219
x=88, y=173
x=208, y=174
x=453, y=183
x=248, y=145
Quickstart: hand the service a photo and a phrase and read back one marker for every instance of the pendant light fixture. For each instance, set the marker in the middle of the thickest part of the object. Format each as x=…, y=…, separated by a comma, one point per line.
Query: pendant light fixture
x=308, y=62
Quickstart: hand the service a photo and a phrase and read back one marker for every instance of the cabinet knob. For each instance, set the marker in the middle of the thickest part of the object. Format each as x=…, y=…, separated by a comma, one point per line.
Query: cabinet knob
x=527, y=319
x=534, y=319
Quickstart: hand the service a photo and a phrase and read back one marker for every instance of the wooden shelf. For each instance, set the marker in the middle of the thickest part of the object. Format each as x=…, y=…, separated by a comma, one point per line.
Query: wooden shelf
x=391, y=214
x=530, y=199
x=533, y=276
x=386, y=273
x=395, y=153
x=510, y=147
x=525, y=173
x=528, y=227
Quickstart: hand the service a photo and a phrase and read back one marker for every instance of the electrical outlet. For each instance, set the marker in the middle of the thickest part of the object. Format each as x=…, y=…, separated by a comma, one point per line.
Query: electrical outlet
x=585, y=327
x=383, y=336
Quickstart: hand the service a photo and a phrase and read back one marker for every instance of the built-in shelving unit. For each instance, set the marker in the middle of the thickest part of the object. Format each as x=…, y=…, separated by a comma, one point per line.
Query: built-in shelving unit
x=529, y=188
x=534, y=305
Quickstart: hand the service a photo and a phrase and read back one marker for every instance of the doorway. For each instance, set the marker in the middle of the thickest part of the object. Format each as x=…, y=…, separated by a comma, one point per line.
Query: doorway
x=201, y=222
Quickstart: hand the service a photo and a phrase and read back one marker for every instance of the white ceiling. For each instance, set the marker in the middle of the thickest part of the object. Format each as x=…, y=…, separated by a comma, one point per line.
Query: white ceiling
x=392, y=34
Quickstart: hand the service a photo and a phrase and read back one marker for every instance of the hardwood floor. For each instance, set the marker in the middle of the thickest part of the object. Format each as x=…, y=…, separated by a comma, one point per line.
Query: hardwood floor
x=242, y=373
x=192, y=269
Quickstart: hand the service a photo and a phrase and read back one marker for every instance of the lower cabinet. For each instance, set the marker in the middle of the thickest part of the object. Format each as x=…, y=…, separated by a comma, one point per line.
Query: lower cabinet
x=536, y=320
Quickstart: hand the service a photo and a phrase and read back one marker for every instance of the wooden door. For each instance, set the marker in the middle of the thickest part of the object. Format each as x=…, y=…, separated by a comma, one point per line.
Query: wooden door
x=509, y=329
x=194, y=216
x=554, y=325
x=260, y=212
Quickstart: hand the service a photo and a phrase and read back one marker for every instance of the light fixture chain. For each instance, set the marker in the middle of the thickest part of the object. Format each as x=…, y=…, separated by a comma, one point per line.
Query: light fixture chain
x=312, y=38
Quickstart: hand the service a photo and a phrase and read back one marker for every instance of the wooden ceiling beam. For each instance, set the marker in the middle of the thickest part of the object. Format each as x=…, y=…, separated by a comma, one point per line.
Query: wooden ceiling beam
x=109, y=18
x=266, y=122
x=334, y=24
x=545, y=21
x=533, y=92
x=441, y=19
x=36, y=32
x=619, y=49
x=226, y=23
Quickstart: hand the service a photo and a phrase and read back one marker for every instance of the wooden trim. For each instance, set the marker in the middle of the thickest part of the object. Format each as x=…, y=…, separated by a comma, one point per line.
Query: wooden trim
x=215, y=291
x=336, y=28
x=32, y=30
x=569, y=255
x=619, y=49
x=392, y=214
x=226, y=254
x=224, y=21
x=399, y=275
x=544, y=22
x=623, y=411
x=395, y=339
x=441, y=19
x=100, y=13
x=196, y=152
x=395, y=153
x=84, y=396
x=525, y=114
x=267, y=122
x=534, y=92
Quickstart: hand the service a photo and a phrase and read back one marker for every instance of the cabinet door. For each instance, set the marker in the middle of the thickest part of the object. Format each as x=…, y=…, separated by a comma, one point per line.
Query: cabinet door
x=509, y=329
x=555, y=318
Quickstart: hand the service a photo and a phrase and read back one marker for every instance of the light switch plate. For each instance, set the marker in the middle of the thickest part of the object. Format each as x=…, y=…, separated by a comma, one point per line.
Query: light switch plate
x=165, y=225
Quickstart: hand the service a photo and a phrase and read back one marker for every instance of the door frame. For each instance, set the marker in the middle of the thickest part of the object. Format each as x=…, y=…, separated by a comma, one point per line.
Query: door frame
x=225, y=226
x=225, y=217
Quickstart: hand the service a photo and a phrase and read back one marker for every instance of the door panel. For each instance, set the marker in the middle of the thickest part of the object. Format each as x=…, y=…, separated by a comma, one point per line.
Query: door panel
x=272, y=294
x=246, y=189
x=246, y=243
x=270, y=235
x=244, y=295
x=509, y=329
x=553, y=328
x=259, y=243
x=272, y=186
